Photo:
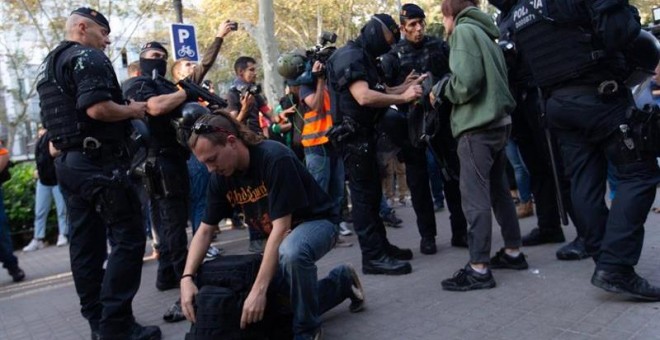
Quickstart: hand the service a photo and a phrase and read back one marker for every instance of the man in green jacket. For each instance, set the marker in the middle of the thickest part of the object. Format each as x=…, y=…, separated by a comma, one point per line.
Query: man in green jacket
x=480, y=121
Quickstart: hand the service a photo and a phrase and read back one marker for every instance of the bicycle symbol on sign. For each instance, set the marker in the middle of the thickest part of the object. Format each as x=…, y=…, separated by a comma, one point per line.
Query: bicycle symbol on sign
x=186, y=51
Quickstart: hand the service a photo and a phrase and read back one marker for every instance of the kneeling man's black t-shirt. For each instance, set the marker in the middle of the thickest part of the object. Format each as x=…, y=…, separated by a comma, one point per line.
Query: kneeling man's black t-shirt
x=276, y=184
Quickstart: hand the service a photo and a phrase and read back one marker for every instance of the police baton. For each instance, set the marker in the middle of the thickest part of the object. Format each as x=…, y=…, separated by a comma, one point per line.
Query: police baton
x=553, y=162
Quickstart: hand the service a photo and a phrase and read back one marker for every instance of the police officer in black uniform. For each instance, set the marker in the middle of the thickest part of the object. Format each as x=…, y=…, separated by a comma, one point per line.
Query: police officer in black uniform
x=358, y=99
x=166, y=169
x=86, y=117
x=420, y=53
x=529, y=132
x=575, y=50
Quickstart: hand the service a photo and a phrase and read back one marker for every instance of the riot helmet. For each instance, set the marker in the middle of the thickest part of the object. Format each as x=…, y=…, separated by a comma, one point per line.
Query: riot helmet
x=190, y=112
x=642, y=56
x=291, y=65
x=372, y=35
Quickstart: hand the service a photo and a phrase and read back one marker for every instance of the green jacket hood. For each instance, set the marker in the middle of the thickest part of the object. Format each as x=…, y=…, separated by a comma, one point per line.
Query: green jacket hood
x=474, y=16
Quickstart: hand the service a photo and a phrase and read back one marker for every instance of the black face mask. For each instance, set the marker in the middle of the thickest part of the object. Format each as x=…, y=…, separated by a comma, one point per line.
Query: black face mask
x=373, y=39
x=147, y=66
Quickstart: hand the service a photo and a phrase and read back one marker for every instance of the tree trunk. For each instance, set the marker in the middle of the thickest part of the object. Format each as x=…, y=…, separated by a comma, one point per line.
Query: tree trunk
x=265, y=38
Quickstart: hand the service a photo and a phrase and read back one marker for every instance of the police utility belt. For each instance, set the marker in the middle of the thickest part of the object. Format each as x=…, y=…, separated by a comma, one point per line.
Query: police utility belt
x=97, y=149
x=606, y=89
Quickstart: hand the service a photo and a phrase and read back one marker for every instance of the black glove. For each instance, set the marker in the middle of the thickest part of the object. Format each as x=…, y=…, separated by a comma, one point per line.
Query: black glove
x=191, y=93
x=438, y=90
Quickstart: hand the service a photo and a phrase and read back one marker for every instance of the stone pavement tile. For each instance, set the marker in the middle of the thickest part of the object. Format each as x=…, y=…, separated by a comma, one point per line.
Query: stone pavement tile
x=613, y=334
x=633, y=320
x=587, y=328
x=471, y=334
x=569, y=335
x=650, y=331
x=607, y=313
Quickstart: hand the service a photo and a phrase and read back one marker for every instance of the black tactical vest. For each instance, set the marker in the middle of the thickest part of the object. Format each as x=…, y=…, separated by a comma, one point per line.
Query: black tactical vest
x=345, y=66
x=59, y=115
x=67, y=126
x=432, y=57
x=555, y=52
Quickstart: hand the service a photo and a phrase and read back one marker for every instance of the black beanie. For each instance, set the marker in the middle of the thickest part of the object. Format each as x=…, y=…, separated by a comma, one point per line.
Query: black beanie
x=93, y=15
x=410, y=11
x=154, y=45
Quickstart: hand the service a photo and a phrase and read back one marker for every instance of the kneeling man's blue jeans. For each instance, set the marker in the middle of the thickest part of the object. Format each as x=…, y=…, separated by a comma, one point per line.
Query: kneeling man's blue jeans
x=297, y=277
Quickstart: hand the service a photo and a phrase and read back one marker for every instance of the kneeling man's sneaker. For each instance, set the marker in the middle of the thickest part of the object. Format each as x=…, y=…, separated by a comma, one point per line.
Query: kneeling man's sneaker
x=627, y=283
x=344, y=230
x=468, y=279
x=357, y=292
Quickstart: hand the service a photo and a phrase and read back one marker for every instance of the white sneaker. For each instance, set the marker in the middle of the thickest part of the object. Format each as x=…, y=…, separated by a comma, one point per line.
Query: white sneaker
x=344, y=230
x=34, y=245
x=62, y=241
x=212, y=253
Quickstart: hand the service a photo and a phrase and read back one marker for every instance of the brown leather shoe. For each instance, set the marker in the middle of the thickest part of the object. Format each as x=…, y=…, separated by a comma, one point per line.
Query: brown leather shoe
x=525, y=209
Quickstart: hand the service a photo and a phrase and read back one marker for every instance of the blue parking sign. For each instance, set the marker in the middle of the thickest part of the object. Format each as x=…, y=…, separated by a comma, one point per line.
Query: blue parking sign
x=184, y=42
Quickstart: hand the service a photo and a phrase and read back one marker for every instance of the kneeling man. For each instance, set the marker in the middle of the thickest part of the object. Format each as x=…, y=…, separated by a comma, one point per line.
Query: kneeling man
x=280, y=198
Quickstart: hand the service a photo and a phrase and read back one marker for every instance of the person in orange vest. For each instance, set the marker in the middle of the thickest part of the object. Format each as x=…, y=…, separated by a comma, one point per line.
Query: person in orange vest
x=322, y=160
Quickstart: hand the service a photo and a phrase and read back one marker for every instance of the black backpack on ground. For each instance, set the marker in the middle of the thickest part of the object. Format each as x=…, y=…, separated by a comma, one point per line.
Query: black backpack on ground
x=224, y=284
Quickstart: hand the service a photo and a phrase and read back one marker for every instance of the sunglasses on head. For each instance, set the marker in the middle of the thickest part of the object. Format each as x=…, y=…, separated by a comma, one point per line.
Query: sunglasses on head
x=202, y=128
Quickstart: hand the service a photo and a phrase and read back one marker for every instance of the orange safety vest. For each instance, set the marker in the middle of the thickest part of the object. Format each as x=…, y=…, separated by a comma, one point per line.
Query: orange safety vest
x=317, y=125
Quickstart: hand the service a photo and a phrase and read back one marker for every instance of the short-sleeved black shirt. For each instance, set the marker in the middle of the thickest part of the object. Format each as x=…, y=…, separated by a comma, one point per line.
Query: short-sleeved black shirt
x=252, y=119
x=276, y=184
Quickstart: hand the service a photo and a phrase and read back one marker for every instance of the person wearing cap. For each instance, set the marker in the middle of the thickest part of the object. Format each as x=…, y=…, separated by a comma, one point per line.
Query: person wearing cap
x=358, y=99
x=89, y=122
x=167, y=183
x=418, y=53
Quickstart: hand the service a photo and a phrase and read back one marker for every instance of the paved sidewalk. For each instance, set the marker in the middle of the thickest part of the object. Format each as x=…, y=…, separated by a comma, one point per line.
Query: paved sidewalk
x=551, y=300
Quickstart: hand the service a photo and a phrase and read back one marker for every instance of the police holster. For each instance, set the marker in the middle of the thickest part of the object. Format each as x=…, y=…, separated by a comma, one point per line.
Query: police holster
x=150, y=177
x=113, y=196
x=341, y=133
x=643, y=130
x=160, y=178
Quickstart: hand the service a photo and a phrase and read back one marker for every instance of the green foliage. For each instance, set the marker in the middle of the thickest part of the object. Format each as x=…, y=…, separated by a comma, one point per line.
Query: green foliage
x=19, y=197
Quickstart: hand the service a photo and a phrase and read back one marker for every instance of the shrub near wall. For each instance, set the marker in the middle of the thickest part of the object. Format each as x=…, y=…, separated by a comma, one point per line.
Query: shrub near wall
x=19, y=202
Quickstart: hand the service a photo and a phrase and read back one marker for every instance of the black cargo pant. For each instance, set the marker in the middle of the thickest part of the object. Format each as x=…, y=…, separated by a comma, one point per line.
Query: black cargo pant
x=169, y=213
x=395, y=125
x=444, y=147
x=530, y=136
x=98, y=208
x=366, y=193
x=587, y=128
